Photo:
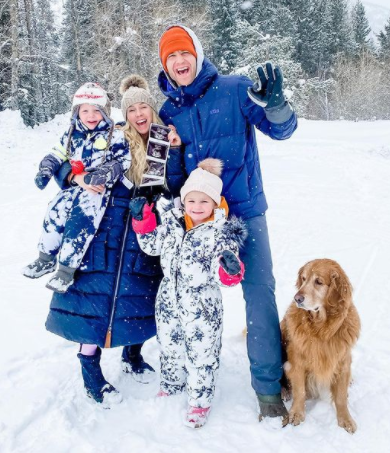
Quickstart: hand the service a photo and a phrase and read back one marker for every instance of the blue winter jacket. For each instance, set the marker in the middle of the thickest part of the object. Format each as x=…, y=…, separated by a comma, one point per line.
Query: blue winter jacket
x=215, y=117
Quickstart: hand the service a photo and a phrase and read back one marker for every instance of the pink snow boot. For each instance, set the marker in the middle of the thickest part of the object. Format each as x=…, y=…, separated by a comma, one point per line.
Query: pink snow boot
x=196, y=416
x=161, y=394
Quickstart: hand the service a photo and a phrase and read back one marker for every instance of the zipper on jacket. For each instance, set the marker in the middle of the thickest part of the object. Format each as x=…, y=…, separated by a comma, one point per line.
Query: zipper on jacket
x=195, y=139
x=107, y=343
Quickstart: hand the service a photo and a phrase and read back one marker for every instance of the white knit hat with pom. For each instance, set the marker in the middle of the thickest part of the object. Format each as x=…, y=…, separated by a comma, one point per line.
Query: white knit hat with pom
x=133, y=89
x=206, y=179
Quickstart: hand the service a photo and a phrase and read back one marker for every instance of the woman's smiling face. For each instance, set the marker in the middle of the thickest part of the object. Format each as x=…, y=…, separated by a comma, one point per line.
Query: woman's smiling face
x=140, y=116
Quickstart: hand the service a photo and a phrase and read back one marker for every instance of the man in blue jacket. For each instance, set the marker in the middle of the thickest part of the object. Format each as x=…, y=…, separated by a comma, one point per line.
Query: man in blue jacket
x=215, y=116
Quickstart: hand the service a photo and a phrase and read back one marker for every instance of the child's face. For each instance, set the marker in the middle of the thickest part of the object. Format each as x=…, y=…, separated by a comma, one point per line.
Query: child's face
x=90, y=115
x=199, y=206
x=140, y=115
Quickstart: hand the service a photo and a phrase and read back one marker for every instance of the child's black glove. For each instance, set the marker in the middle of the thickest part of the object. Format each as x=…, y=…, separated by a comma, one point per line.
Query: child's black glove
x=230, y=263
x=136, y=207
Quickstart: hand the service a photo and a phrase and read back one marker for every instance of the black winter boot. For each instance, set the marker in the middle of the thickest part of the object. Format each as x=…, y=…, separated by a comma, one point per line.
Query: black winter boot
x=134, y=364
x=95, y=385
x=272, y=406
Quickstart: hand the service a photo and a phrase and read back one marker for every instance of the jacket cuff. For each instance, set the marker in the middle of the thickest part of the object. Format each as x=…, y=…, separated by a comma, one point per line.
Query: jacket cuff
x=279, y=114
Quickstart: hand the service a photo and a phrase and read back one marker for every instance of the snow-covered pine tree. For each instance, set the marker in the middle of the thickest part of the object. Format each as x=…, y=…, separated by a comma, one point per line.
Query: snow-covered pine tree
x=279, y=50
x=224, y=46
x=78, y=43
x=360, y=26
x=6, y=47
x=384, y=42
x=54, y=96
x=341, y=36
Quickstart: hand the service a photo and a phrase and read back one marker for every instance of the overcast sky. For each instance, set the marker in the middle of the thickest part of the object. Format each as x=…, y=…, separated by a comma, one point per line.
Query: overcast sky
x=377, y=2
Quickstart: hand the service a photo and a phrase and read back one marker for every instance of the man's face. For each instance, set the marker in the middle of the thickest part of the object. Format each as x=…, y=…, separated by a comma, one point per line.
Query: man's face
x=181, y=67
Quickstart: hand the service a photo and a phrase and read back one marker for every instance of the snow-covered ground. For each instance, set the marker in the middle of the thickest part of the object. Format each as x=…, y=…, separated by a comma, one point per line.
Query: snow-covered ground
x=328, y=189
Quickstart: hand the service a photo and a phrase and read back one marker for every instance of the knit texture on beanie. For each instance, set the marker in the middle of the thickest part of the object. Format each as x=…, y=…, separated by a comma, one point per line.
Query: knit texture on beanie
x=133, y=89
x=205, y=179
x=174, y=39
x=92, y=93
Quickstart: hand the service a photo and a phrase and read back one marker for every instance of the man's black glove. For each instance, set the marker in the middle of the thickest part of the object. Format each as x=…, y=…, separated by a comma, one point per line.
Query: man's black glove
x=230, y=263
x=136, y=207
x=106, y=173
x=48, y=166
x=268, y=91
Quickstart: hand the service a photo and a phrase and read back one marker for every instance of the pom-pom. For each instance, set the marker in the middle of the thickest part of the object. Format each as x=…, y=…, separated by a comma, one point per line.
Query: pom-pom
x=77, y=167
x=133, y=80
x=212, y=165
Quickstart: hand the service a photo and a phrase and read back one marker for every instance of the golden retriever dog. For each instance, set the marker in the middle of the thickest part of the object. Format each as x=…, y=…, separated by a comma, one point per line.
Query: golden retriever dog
x=319, y=330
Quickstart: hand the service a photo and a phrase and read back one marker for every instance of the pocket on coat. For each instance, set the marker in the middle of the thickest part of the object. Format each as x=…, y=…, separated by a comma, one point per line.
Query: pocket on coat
x=147, y=265
x=95, y=258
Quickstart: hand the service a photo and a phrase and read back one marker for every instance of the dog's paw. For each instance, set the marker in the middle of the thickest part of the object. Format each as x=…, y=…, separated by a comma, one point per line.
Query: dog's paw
x=348, y=424
x=296, y=417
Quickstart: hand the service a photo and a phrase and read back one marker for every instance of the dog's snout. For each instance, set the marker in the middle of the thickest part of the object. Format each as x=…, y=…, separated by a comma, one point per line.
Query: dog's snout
x=299, y=299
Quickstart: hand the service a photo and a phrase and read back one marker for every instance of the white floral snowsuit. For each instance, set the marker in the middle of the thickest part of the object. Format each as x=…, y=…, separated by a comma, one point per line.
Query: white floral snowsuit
x=189, y=307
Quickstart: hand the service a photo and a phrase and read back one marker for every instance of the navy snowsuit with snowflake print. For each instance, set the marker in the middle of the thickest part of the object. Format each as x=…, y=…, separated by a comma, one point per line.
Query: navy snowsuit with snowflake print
x=74, y=215
x=189, y=307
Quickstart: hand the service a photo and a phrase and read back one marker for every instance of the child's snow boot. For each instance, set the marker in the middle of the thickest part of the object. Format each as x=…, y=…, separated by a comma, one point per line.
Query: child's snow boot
x=62, y=279
x=196, y=416
x=134, y=364
x=43, y=265
x=96, y=386
x=162, y=394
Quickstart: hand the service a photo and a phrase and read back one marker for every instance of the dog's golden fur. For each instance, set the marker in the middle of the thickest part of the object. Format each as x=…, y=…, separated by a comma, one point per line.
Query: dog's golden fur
x=318, y=332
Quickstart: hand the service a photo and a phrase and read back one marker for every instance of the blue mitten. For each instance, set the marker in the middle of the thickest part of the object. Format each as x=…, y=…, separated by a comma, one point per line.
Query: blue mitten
x=106, y=173
x=48, y=166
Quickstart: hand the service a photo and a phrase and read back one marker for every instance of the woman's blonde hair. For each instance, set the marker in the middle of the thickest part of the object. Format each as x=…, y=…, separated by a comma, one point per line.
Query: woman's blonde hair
x=138, y=165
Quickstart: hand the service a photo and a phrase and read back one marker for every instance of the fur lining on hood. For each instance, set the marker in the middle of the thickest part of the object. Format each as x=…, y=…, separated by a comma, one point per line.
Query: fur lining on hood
x=235, y=228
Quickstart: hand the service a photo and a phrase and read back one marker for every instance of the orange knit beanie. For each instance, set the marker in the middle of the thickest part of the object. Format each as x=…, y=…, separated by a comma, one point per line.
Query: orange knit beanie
x=174, y=39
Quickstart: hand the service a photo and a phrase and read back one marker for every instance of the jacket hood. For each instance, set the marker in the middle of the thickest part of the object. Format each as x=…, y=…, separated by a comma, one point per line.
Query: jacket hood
x=190, y=92
x=198, y=48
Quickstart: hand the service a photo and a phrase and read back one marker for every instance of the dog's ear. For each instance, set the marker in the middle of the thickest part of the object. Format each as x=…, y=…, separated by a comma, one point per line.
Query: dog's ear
x=340, y=291
x=299, y=281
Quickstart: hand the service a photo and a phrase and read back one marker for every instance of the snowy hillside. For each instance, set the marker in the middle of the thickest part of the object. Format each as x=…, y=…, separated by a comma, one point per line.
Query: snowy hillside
x=328, y=189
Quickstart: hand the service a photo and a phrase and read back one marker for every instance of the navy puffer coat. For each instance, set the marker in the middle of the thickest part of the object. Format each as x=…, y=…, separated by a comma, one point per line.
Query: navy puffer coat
x=116, y=279
x=215, y=118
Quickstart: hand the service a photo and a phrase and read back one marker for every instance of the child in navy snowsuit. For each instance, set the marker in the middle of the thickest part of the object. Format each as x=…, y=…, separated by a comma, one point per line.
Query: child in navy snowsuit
x=199, y=252
x=99, y=155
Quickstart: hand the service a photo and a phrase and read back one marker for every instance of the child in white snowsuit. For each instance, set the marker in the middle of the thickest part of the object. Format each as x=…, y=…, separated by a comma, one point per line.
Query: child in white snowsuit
x=199, y=252
x=100, y=155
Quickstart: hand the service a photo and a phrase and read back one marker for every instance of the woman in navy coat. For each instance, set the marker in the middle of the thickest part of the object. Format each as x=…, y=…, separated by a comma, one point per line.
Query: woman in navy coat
x=111, y=302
